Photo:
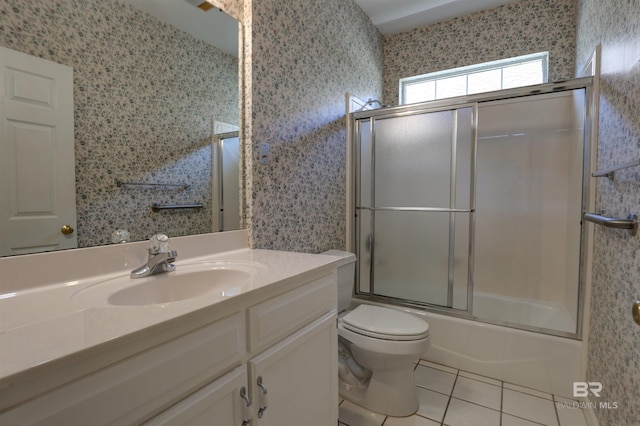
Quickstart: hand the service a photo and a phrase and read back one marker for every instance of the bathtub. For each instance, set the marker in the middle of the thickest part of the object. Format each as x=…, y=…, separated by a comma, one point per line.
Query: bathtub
x=539, y=361
x=550, y=315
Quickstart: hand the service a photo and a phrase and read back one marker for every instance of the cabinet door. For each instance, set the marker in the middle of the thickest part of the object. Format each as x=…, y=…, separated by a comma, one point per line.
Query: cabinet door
x=135, y=388
x=219, y=403
x=300, y=378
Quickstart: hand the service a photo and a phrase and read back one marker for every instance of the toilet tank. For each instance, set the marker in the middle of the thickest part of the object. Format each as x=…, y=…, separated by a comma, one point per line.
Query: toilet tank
x=346, y=276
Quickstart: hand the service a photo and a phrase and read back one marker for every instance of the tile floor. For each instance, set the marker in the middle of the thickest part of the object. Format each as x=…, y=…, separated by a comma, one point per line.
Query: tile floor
x=457, y=398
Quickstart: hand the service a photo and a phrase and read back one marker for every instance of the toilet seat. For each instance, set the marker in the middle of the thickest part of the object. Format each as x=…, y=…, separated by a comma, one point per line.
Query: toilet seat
x=385, y=323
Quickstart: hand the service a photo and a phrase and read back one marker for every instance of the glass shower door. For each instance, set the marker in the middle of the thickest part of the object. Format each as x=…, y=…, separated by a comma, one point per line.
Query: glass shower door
x=415, y=206
x=529, y=209
x=477, y=208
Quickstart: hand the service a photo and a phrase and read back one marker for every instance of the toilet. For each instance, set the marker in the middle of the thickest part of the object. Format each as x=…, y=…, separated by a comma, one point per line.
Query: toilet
x=377, y=348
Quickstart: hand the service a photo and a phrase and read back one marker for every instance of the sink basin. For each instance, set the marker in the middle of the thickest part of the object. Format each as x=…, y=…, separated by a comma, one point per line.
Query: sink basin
x=222, y=279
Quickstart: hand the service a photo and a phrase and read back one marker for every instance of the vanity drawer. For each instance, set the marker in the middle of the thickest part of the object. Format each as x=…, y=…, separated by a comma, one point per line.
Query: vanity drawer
x=276, y=318
x=133, y=389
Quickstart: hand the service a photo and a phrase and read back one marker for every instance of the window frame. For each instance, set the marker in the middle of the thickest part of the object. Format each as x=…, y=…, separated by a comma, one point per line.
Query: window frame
x=500, y=64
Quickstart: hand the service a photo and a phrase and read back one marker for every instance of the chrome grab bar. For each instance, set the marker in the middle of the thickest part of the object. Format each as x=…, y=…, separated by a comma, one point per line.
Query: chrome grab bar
x=631, y=223
x=120, y=183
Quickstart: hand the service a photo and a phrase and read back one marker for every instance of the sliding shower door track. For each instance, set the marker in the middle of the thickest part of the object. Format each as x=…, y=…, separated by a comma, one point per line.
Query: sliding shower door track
x=416, y=209
x=457, y=313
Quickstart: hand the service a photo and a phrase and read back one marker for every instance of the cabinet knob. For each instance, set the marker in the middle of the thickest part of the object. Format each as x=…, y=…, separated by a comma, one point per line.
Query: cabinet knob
x=264, y=400
x=67, y=229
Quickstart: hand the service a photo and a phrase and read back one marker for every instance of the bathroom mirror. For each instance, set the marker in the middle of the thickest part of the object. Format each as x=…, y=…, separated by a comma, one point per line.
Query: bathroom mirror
x=147, y=99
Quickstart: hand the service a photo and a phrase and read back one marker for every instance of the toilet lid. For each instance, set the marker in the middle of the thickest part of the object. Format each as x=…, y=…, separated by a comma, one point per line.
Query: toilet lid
x=385, y=323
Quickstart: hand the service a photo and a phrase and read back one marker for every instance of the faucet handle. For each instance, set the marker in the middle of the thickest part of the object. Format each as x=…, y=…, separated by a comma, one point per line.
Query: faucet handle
x=171, y=256
x=120, y=236
x=159, y=243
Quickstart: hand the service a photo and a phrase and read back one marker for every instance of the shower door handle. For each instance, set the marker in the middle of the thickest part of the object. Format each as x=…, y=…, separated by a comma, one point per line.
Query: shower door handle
x=369, y=242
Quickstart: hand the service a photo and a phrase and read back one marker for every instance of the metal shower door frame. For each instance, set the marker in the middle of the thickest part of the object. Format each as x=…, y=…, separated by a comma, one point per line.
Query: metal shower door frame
x=452, y=210
x=369, y=118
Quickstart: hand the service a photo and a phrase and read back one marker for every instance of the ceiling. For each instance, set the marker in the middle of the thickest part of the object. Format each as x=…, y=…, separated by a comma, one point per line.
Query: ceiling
x=389, y=16
x=213, y=26
x=396, y=16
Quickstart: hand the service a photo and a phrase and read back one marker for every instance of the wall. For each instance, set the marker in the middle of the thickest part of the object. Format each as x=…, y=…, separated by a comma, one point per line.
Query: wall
x=511, y=30
x=613, y=356
x=233, y=8
x=304, y=56
x=144, y=95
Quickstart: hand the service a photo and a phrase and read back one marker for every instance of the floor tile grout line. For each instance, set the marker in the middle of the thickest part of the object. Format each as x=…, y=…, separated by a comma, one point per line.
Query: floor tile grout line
x=435, y=391
x=531, y=389
x=435, y=366
x=528, y=394
x=502, y=412
x=525, y=419
x=450, y=394
x=484, y=377
x=501, y=401
x=555, y=409
x=480, y=381
x=444, y=415
x=503, y=385
x=477, y=405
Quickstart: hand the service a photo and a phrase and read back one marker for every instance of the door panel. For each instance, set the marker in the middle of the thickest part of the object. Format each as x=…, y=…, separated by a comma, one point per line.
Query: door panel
x=293, y=374
x=415, y=177
x=217, y=403
x=37, y=164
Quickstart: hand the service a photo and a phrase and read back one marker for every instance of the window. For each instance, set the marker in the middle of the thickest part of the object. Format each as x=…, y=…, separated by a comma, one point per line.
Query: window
x=503, y=74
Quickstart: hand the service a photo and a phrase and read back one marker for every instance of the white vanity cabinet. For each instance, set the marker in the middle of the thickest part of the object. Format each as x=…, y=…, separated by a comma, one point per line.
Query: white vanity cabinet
x=290, y=377
x=293, y=365
x=268, y=358
x=295, y=382
x=292, y=383
x=126, y=392
x=223, y=402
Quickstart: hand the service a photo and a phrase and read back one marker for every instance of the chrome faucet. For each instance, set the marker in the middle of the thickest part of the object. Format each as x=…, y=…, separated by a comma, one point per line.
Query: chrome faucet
x=160, y=258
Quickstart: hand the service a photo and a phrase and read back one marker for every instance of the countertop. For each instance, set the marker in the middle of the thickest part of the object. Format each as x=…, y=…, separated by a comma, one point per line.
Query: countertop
x=43, y=324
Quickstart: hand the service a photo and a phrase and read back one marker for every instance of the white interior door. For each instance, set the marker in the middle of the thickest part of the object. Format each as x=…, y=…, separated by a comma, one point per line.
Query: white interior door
x=37, y=165
x=225, y=175
x=230, y=183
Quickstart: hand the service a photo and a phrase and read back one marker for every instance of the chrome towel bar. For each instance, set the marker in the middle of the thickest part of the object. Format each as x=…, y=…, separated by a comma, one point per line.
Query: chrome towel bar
x=611, y=171
x=159, y=207
x=631, y=223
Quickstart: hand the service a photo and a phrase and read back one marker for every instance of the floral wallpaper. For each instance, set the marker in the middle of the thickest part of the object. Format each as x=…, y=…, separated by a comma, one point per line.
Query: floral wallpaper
x=145, y=95
x=613, y=356
x=300, y=60
x=514, y=29
x=233, y=8
x=305, y=56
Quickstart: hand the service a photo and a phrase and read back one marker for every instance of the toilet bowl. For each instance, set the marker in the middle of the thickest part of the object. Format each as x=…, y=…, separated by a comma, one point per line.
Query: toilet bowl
x=377, y=350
